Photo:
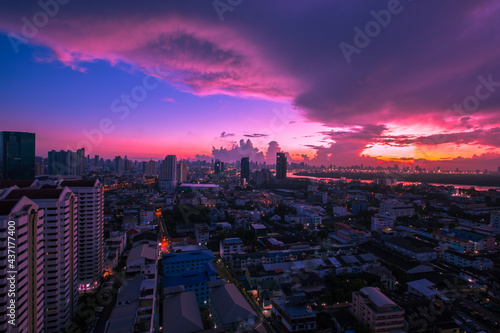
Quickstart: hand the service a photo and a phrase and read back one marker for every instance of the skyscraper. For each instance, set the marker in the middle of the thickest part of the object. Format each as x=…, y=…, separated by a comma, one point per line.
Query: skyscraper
x=245, y=170
x=118, y=165
x=90, y=195
x=168, y=174
x=17, y=155
x=217, y=167
x=66, y=162
x=24, y=219
x=281, y=166
x=60, y=240
x=182, y=170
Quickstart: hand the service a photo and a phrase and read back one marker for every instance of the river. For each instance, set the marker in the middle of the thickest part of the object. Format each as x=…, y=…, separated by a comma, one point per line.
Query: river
x=477, y=187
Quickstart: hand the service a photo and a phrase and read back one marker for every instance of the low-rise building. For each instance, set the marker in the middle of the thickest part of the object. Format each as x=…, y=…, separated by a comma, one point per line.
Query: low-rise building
x=181, y=313
x=382, y=221
x=229, y=308
x=463, y=260
x=412, y=248
x=229, y=246
x=293, y=317
x=424, y=288
x=202, y=233
x=373, y=308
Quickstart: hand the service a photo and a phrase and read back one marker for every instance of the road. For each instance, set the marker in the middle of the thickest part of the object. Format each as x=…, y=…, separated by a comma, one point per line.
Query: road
x=226, y=275
x=481, y=309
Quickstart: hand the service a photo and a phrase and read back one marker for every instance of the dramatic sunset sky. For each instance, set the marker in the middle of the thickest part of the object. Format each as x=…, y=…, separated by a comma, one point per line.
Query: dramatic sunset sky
x=227, y=79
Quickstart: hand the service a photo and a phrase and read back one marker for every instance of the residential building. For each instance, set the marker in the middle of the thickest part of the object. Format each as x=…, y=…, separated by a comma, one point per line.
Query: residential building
x=495, y=220
x=229, y=308
x=118, y=161
x=181, y=313
x=464, y=260
x=395, y=208
x=143, y=258
x=358, y=206
x=281, y=166
x=90, y=196
x=202, y=233
x=466, y=240
x=60, y=239
x=218, y=167
x=245, y=170
x=382, y=221
x=17, y=155
x=182, y=170
x=21, y=226
x=293, y=317
x=373, y=308
x=229, y=246
x=168, y=174
x=135, y=307
x=66, y=162
x=424, y=288
x=149, y=168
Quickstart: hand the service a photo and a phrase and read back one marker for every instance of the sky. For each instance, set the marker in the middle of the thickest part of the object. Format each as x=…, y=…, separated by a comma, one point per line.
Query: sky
x=329, y=82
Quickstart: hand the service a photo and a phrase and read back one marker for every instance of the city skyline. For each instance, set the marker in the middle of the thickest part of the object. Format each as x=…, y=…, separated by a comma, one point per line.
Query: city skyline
x=420, y=88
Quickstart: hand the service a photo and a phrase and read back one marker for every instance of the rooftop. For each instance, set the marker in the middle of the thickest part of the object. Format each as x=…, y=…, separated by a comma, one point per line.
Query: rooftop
x=232, y=240
x=35, y=194
x=181, y=313
x=377, y=297
x=230, y=304
x=424, y=287
x=294, y=311
x=187, y=256
x=79, y=183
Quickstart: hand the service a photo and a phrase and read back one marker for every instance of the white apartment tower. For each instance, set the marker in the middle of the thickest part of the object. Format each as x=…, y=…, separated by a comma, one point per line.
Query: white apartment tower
x=21, y=226
x=60, y=239
x=168, y=174
x=90, y=197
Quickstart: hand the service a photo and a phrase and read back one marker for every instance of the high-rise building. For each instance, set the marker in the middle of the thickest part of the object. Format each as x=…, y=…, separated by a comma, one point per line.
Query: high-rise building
x=90, y=196
x=281, y=166
x=17, y=155
x=118, y=165
x=66, y=162
x=22, y=221
x=245, y=170
x=495, y=219
x=182, y=170
x=218, y=167
x=127, y=164
x=149, y=168
x=60, y=239
x=168, y=174
x=39, y=166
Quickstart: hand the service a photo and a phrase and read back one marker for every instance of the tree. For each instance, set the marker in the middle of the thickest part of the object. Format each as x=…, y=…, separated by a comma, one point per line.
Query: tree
x=323, y=233
x=299, y=227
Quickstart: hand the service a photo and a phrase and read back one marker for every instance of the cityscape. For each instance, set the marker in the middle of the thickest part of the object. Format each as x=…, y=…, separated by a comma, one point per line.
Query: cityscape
x=236, y=166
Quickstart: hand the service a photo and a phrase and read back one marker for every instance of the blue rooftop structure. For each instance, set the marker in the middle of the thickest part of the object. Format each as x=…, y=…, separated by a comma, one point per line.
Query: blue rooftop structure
x=232, y=240
x=178, y=263
x=187, y=279
x=196, y=281
x=187, y=256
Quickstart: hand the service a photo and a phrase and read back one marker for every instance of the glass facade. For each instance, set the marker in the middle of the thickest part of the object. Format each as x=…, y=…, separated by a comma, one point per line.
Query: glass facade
x=17, y=155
